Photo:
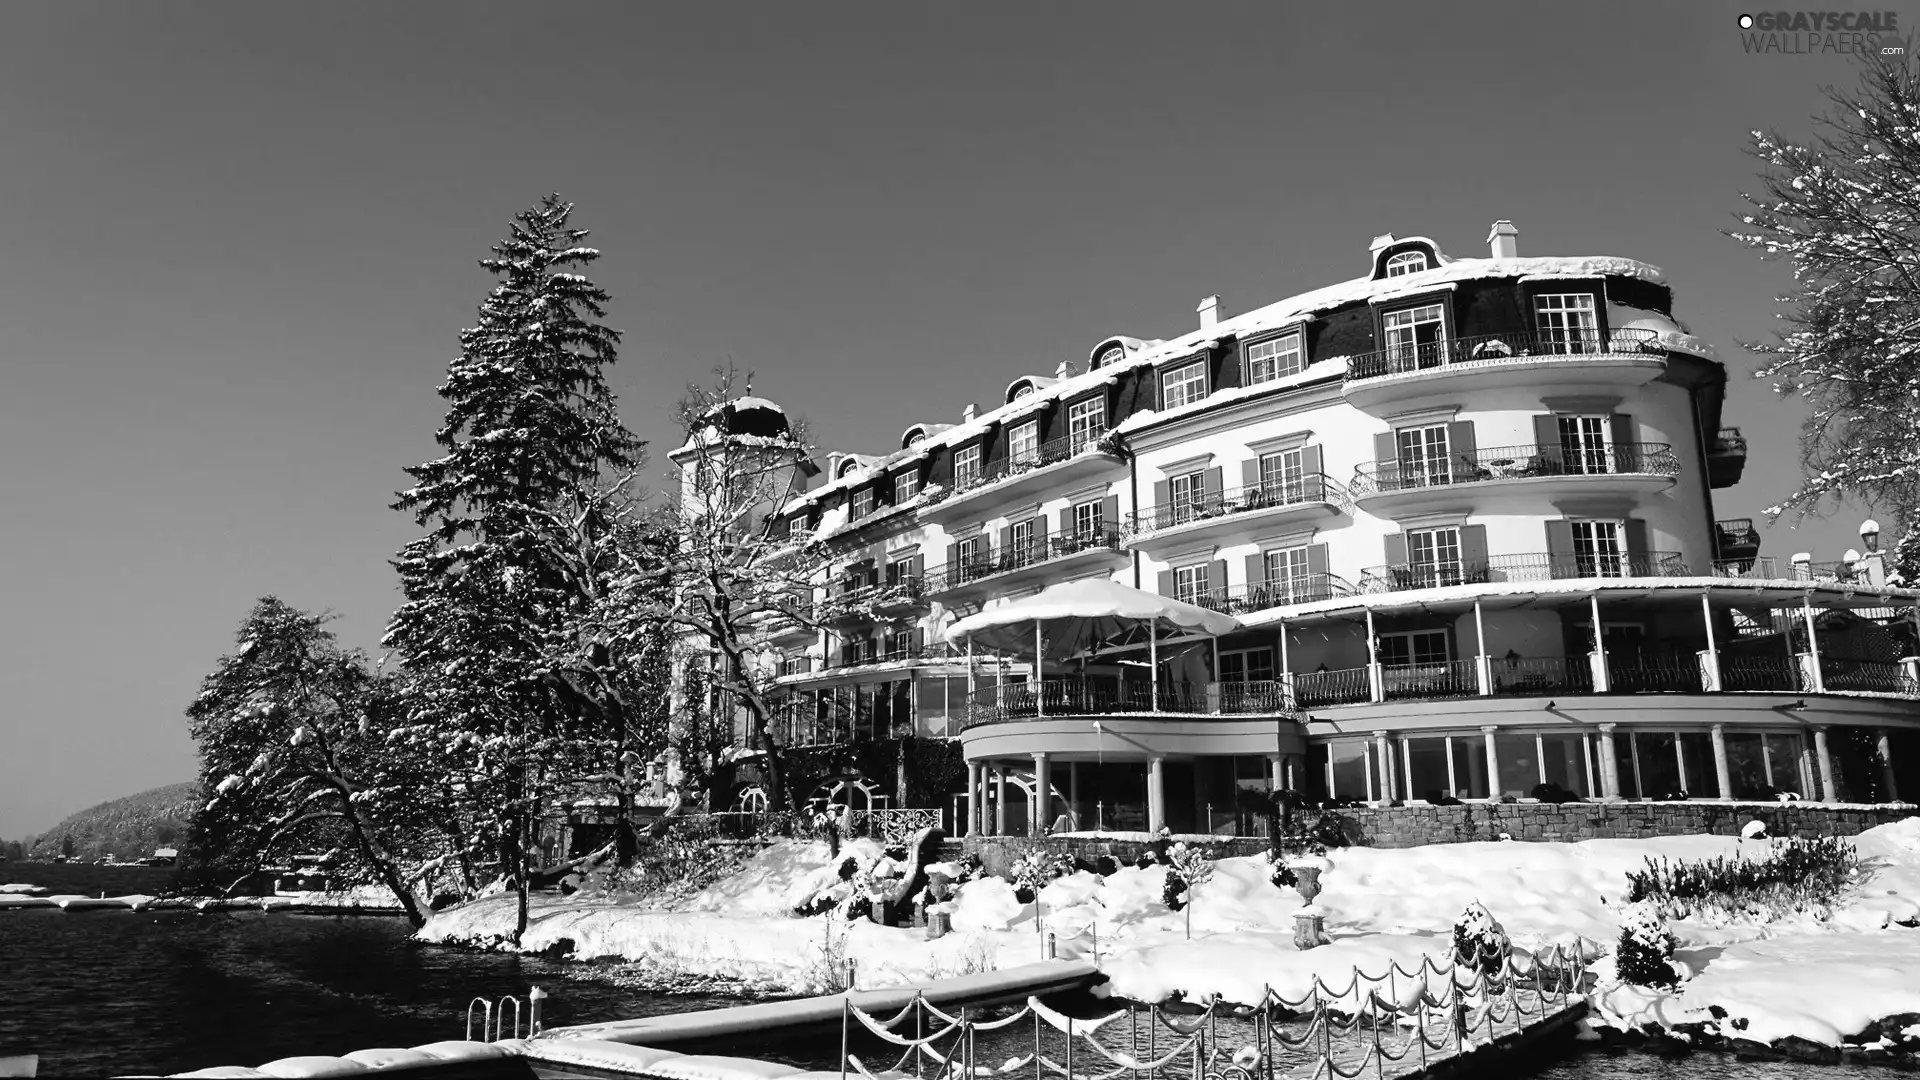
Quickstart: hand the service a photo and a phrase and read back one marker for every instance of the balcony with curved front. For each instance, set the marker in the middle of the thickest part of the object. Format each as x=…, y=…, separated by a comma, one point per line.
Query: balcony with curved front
x=1221, y=515
x=1489, y=476
x=1602, y=567
x=1573, y=361
x=1105, y=717
x=1045, y=559
x=1079, y=457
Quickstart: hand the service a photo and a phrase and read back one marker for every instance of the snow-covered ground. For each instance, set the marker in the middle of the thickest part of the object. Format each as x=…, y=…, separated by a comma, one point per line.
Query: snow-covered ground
x=1817, y=979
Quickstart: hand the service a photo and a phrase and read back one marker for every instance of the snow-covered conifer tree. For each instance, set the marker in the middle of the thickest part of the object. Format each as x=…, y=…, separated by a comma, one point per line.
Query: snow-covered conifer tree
x=1844, y=209
x=520, y=674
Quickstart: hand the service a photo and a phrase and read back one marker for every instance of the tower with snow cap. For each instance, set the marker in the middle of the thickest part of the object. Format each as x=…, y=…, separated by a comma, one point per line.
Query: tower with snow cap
x=753, y=441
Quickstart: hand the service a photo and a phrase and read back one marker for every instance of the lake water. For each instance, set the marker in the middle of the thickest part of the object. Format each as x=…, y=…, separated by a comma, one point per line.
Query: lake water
x=114, y=992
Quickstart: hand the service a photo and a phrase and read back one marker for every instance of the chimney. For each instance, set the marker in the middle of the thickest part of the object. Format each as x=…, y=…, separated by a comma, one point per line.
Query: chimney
x=1504, y=240
x=1064, y=371
x=1209, y=313
x=966, y=414
x=1379, y=242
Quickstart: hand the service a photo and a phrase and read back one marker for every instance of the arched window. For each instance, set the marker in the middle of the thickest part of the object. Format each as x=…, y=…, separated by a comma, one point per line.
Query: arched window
x=1111, y=356
x=1024, y=391
x=916, y=438
x=1407, y=262
x=846, y=468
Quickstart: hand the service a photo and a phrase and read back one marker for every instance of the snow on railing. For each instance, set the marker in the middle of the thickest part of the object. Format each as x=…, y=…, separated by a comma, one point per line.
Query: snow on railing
x=1374, y=1024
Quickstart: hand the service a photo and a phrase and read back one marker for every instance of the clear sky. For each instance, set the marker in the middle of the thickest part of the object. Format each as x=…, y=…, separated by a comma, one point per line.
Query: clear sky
x=240, y=242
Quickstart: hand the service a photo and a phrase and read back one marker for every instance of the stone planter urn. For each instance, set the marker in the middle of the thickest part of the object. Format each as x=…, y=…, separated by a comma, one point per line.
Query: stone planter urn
x=1309, y=923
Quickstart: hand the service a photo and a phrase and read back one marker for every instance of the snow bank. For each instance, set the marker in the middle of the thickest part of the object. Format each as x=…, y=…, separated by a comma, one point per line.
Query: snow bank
x=1817, y=980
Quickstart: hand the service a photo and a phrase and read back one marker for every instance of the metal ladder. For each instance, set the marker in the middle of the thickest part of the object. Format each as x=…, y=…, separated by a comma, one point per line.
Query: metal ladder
x=493, y=1017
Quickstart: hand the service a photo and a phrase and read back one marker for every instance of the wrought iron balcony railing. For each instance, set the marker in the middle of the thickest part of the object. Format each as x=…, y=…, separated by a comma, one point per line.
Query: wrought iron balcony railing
x=1760, y=566
x=1052, y=452
x=1737, y=532
x=1400, y=577
x=1019, y=557
x=1313, y=488
x=1730, y=441
x=1541, y=675
x=1493, y=348
x=1262, y=595
x=1513, y=463
x=1088, y=695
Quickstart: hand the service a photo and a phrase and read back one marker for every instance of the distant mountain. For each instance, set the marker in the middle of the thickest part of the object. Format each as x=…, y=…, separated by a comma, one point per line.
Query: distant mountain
x=128, y=828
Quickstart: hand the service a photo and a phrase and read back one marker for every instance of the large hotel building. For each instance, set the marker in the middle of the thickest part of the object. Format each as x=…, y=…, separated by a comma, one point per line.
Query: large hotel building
x=1451, y=529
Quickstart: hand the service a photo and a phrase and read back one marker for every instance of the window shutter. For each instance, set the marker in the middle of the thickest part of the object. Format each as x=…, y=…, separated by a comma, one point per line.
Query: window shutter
x=1040, y=531
x=1160, y=497
x=1473, y=552
x=917, y=567
x=1546, y=436
x=1256, y=570
x=953, y=563
x=1626, y=448
x=1640, y=560
x=1066, y=520
x=1110, y=513
x=1317, y=559
x=1396, y=545
x=1385, y=450
x=1216, y=485
x=1006, y=541
x=1166, y=582
x=1560, y=561
x=1310, y=462
x=1460, y=444
x=1250, y=473
x=1217, y=578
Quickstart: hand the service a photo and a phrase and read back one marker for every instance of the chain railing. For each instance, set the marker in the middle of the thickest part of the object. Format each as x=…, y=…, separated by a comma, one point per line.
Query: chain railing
x=1374, y=1025
x=1489, y=349
x=1514, y=463
x=1311, y=489
x=1020, y=556
x=1545, y=566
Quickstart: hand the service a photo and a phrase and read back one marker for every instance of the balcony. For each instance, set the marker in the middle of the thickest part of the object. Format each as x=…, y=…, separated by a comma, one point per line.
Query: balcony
x=1076, y=458
x=1094, y=695
x=1498, y=569
x=1572, y=362
x=1726, y=458
x=1420, y=485
x=854, y=603
x=1265, y=596
x=1059, y=555
x=1735, y=540
x=1309, y=498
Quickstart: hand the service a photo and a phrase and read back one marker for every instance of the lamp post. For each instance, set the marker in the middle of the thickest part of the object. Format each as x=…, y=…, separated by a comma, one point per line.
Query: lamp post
x=1872, y=565
x=1870, y=535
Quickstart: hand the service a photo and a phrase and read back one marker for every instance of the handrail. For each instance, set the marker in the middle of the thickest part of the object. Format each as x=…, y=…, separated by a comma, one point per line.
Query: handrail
x=1515, y=463
x=1262, y=595
x=1309, y=489
x=1497, y=348
x=1544, y=566
x=1044, y=550
x=1095, y=695
x=1051, y=452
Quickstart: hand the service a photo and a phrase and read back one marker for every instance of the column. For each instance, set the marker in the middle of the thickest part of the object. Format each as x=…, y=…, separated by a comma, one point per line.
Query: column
x=1825, y=759
x=1277, y=775
x=1040, y=810
x=1039, y=676
x=1406, y=772
x=1709, y=660
x=1375, y=685
x=1816, y=681
x=973, y=799
x=1884, y=747
x=1073, y=794
x=999, y=800
x=1493, y=761
x=1609, y=764
x=1383, y=760
x=1722, y=774
x=1598, y=657
x=1156, y=795
x=1482, y=663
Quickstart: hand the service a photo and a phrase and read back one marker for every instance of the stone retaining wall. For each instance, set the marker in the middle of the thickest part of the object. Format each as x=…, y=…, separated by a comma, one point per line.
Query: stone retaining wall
x=1419, y=823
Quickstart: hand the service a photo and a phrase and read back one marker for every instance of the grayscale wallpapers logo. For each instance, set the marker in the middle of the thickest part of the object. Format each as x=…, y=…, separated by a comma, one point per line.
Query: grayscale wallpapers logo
x=1791, y=33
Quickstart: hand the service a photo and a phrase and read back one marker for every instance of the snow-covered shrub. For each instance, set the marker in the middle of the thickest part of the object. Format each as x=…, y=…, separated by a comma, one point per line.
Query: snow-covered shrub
x=1795, y=876
x=1186, y=868
x=1645, y=956
x=1479, y=941
x=1281, y=874
x=1032, y=871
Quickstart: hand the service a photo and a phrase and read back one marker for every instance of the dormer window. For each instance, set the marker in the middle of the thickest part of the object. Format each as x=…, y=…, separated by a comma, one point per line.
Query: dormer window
x=916, y=438
x=1111, y=356
x=862, y=503
x=1407, y=262
x=846, y=469
x=1024, y=391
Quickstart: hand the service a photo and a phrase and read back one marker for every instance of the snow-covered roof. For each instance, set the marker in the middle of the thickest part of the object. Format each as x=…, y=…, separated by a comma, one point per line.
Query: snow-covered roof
x=1076, y=614
x=1275, y=316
